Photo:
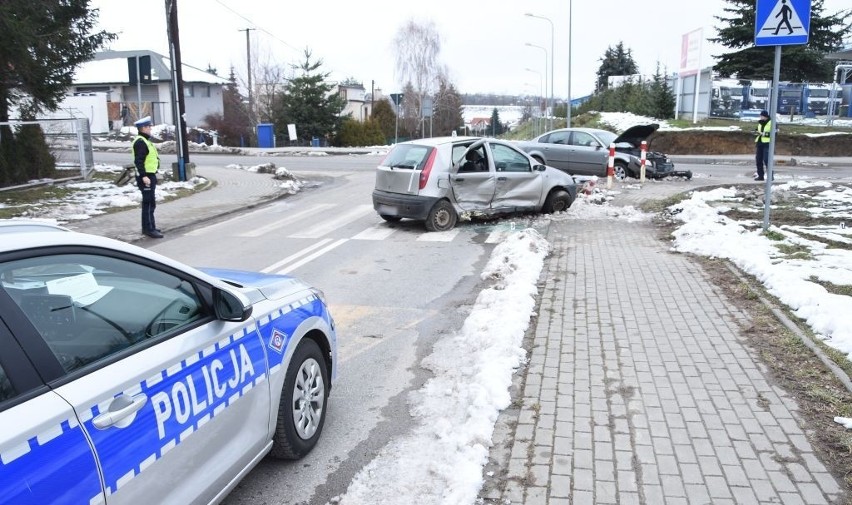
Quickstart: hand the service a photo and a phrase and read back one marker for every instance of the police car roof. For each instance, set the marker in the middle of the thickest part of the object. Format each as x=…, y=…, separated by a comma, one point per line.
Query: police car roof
x=25, y=225
x=437, y=141
x=21, y=235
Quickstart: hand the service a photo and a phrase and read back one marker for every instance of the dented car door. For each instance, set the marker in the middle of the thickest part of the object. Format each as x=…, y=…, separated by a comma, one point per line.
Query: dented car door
x=473, y=182
x=519, y=186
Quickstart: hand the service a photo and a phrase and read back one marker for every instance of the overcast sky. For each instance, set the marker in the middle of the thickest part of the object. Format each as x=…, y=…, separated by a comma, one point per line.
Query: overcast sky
x=483, y=43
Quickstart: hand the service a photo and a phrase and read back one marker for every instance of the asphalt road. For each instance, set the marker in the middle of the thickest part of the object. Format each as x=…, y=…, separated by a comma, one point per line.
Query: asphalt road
x=394, y=290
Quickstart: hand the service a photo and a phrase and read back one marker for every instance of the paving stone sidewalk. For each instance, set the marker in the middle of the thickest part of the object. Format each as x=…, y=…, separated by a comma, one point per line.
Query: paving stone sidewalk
x=639, y=389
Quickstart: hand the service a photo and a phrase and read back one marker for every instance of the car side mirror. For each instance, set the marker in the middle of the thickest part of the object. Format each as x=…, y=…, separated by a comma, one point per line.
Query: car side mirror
x=230, y=307
x=540, y=168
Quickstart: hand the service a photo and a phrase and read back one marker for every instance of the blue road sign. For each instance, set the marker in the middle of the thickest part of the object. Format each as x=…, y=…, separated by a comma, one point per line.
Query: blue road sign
x=782, y=22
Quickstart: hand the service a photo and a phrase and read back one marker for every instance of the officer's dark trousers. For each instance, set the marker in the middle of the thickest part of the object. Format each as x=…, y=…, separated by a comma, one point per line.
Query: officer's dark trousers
x=761, y=157
x=149, y=203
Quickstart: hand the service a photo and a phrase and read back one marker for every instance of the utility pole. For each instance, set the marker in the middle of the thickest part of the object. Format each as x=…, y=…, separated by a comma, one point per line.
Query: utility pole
x=177, y=87
x=248, y=73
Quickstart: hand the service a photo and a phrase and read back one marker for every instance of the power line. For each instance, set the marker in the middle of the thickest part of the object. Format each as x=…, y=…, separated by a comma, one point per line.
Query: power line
x=258, y=27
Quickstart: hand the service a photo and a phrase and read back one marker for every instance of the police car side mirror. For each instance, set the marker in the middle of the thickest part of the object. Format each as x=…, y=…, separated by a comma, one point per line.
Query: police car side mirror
x=230, y=307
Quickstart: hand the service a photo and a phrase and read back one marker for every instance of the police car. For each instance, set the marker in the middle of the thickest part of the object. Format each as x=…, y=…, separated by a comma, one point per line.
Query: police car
x=127, y=377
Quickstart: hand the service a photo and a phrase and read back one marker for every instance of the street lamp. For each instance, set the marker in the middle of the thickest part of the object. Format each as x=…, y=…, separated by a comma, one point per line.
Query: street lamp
x=552, y=70
x=546, y=104
x=540, y=89
x=568, y=109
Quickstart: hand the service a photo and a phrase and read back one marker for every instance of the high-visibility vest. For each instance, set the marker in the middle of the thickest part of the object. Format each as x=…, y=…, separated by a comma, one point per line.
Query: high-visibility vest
x=763, y=132
x=152, y=161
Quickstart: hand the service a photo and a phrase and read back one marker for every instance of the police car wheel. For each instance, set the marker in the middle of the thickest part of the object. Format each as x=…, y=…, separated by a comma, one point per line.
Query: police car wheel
x=301, y=412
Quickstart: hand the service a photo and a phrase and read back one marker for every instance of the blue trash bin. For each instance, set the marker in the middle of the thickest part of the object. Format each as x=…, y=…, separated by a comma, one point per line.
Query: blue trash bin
x=265, y=135
x=315, y=142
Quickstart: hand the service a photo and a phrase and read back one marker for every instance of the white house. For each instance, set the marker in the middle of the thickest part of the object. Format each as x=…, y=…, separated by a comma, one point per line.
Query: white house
x=109, y=74
x=356, y=101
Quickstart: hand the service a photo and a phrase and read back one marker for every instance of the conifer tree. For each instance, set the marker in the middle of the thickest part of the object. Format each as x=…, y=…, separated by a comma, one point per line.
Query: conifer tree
x=308, y=103
x=615, y=61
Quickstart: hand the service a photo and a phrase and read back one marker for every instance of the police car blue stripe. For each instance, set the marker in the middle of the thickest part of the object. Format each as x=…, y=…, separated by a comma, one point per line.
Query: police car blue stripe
x=184, y=372
x=49, y=434
x=153, y=380
x=147, y=462
x=208, y=351
x=125, y=479
x=15, y=452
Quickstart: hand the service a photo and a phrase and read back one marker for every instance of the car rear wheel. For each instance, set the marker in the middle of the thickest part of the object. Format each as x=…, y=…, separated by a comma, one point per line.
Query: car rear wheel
x=538, y=159
x=557, y=201
x=301, y=412
x=442, y=217
x=621, y=172
x=390, y=219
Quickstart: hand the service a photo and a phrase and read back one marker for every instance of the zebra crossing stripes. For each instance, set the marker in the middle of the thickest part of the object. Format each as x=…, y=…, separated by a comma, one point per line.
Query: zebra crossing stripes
x=318, y=230
x=290, y=218
x=439, y=236
x=376, y=232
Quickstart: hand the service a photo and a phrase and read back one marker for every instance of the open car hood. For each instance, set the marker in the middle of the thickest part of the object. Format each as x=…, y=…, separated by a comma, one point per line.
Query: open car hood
x=636, y=134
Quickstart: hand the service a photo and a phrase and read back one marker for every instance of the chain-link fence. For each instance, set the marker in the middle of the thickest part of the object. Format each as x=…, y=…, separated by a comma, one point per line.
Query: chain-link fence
x=69, y=140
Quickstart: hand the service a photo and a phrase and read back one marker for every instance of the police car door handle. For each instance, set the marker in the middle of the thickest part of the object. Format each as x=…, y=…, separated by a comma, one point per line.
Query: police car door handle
x=120, y=410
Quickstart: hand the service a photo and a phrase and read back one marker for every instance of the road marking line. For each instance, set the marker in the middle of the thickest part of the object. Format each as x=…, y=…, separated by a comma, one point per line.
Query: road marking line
x=377, y=232
x=295, y=256
x=207, y=229
x=312, y=257
x=438, y=236
x=316, y=231
x=286, y=219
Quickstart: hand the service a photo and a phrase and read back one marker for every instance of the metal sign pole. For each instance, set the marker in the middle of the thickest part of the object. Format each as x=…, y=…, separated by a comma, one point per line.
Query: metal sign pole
x=793, y=28
x=770, y=164
x=138, y=90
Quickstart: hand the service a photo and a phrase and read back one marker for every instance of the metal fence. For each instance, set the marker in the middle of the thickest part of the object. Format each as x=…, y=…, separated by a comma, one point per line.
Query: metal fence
x=63, y=136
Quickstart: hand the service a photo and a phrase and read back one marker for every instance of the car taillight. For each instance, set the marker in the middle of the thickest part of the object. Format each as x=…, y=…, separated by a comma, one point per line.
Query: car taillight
x=427, y=168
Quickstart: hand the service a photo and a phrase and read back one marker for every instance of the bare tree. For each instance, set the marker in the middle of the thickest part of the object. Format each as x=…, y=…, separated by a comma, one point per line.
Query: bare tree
x=268, y=80
x=417, y=47
x=409, y=117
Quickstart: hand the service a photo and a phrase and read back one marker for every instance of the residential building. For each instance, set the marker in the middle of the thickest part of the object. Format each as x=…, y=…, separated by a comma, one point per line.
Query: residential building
x=109, y=74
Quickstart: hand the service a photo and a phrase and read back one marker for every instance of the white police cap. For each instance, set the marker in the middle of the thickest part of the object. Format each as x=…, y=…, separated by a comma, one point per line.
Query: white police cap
x=145, y=121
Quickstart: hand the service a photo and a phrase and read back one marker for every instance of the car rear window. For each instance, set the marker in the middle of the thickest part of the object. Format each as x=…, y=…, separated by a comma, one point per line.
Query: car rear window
x=411, y=156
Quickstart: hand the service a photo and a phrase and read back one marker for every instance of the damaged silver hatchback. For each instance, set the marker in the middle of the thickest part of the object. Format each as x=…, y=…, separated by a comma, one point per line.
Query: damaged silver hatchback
x=439, y=180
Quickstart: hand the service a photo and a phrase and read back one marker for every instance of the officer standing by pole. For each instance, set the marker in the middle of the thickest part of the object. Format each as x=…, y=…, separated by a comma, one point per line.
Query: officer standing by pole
x=761, y=143
x=147, y=162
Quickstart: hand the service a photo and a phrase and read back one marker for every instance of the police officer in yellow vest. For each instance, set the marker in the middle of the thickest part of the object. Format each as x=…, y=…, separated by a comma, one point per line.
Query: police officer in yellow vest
x=147, y=163
x=761, y=142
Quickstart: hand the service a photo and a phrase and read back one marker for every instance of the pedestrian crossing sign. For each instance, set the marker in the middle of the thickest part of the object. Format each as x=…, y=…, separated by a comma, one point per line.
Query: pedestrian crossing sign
x=782, y=22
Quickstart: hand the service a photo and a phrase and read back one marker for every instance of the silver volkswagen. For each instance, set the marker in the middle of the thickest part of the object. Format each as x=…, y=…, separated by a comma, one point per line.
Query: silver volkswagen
x=127, y=377
x=439, y=180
